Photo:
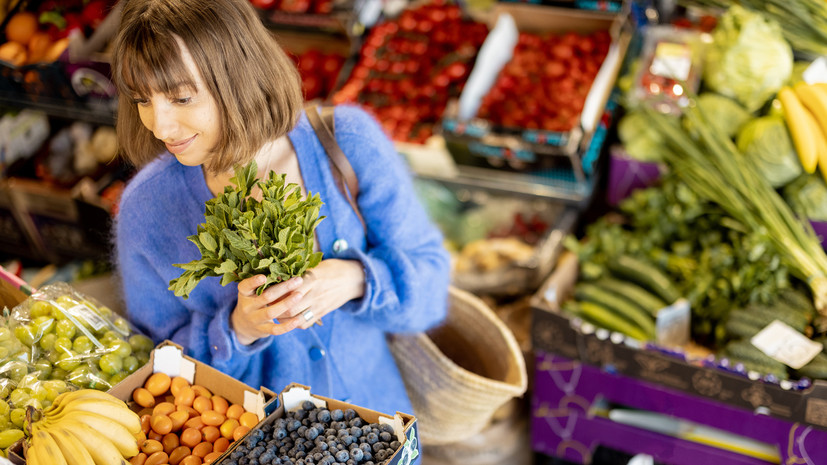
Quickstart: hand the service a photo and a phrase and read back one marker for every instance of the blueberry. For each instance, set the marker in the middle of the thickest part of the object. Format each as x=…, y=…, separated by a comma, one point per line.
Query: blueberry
x=301, y=430
x=350, y=462
x=379, y=446
x=311, y=433
x=350, y=414
x=355, y=431
x=342, y=433
x=395, y=445
x=381, y=455
x=357, y=454
x=385, y=436
x=293, y=425
x=386, y=428
x=330, y=432
x=280, y=433
x=337, y=415
x=342, y=456
x=313, y=416
x=356, y=422
x=308, y=405
x=373, y=438
x=300, y=414
x=324, y=415
x=366, y=430
x=300, y=454
x=331, y=444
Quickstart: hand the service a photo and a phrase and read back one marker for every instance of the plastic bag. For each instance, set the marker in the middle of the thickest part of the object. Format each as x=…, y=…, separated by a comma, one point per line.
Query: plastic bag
x=58, y=340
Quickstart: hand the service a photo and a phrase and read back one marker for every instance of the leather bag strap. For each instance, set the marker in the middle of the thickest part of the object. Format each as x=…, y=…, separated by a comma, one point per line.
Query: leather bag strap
x=343, y=173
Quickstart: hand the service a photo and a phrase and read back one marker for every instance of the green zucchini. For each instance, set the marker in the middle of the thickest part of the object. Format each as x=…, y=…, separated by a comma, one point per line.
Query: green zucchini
x=744, y=350
x=634, y=293
x=761, y=315
x=634, y=313
x=604, y=318
x=645, y=274
x=798, y=300
x=816, y=369
x=736, y=328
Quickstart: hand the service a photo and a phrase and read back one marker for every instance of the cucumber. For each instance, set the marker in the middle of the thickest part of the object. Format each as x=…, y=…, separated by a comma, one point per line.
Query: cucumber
x=587, y=292
x=634, y=293
x=645, y=274
x=762, y=316
x=605, y=318
x=743, y=349
x=816, y=369
x=798, y=300
x=736, y=328
x=779, y=370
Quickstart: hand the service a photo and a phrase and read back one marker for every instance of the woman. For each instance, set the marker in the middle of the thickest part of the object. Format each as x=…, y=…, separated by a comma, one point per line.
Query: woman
x=202, y=87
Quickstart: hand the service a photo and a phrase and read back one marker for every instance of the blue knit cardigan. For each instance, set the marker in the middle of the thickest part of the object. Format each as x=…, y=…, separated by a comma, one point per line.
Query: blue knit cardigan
x=406, y=266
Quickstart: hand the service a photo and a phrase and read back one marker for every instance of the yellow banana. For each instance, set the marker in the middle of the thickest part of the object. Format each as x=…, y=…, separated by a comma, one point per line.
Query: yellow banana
x=33, y=456
x=100, y=447
x=117, y=412
x=48, y=452
x=814, y=97
x=66, y=398
x=807, y=137
x=116, y=432
x=74, y=452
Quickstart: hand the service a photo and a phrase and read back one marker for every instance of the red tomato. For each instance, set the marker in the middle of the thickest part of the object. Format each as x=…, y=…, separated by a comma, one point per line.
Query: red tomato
x=264, y=4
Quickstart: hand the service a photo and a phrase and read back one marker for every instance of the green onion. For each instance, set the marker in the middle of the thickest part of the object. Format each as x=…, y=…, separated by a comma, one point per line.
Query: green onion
x=714, y=169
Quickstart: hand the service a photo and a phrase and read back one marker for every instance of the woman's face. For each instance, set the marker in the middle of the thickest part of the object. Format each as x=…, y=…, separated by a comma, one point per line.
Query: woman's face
x=187, y=122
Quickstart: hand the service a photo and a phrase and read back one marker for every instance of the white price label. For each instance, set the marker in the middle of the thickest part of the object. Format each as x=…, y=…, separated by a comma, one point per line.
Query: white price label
x=783, y=343
x=672, y=324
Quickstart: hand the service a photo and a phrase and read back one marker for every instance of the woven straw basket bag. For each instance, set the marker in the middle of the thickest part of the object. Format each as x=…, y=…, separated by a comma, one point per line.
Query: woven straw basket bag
x=458, y=374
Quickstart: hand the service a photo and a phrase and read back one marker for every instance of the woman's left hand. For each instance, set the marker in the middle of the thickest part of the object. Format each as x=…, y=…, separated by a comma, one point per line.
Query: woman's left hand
x=326, y=287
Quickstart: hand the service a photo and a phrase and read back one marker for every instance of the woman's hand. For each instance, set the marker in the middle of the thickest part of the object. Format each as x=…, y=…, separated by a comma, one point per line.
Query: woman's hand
x=297, y=302
x=254, y=315
x=328, y=286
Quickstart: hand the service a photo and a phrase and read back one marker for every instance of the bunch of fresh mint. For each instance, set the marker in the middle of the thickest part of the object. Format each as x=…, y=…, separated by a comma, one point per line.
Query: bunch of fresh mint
x=242, y=236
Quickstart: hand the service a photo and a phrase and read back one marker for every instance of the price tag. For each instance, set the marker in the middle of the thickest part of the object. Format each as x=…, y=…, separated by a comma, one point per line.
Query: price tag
x=671, y=60
x=816, y=72
x=672, y=324
x=783, y=343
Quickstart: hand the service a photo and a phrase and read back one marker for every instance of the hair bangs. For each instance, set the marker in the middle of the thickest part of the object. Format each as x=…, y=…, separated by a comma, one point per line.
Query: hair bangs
x=152, y=64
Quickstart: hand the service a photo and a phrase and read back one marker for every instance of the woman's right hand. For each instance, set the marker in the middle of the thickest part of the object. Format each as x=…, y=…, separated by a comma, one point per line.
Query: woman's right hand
x=254, y=316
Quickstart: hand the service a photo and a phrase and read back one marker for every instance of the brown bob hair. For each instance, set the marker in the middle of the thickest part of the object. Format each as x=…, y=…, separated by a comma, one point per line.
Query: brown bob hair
x=255, y=84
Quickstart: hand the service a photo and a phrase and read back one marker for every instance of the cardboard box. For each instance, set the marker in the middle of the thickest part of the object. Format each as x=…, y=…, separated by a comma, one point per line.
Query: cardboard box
x=573, y=406
x=404, y=425
x=802, y=402
x=169, y=358
x=477, y=142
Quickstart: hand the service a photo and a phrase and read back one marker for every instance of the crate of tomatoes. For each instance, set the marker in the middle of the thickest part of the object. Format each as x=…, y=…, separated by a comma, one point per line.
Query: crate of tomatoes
x=539, y=90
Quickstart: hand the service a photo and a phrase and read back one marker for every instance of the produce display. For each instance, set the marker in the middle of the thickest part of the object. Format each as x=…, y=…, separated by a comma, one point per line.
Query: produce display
x=185, y=423
x=317, y=435
x=56, y=341
x=42, y=34
x=409, y=67
x=320, y=7
x=545, y=84
x=83, y=427
x=319, y=72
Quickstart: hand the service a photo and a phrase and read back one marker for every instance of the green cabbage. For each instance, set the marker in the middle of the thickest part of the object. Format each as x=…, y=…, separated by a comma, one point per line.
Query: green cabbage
x=767, y=143
x=807, y=196
x=640, y=140
x=749, y=60
x=726, y=114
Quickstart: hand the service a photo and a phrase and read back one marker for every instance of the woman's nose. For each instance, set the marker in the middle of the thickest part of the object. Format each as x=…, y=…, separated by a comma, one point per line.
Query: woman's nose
x=160, y=120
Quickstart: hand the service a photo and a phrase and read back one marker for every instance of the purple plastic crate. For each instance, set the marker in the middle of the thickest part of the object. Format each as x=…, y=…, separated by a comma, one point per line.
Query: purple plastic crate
x=627, y=174
x=565, y=426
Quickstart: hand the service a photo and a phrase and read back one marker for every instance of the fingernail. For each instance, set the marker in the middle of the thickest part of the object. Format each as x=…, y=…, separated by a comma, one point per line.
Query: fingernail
x=297, y=281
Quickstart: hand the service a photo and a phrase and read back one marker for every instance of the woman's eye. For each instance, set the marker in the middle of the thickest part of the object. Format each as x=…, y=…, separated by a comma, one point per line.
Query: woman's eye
x=140, y=101
x=182, y=100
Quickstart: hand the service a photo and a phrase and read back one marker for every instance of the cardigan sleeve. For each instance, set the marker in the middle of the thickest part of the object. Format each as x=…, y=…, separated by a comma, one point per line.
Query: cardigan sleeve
x=147, y=242
x=406, y=265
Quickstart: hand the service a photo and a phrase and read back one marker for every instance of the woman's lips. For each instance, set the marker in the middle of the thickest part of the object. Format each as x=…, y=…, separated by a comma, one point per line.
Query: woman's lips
x=179, y=147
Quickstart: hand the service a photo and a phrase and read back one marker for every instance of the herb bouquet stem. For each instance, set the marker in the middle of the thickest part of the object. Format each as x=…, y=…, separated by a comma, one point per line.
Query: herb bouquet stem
x=712, y=166
x=243, y=236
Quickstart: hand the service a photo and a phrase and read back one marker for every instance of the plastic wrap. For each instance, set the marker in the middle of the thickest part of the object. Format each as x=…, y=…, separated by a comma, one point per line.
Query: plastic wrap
x=58, y=340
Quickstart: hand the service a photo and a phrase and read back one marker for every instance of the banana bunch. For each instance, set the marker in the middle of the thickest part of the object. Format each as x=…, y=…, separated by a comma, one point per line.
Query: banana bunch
x=805, y=112
x=84, y=427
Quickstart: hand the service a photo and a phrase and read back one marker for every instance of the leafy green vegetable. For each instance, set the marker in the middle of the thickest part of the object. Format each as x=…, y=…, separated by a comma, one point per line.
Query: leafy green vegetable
x=807, y=196
x=243, y=236
x=640, y=140
x=749, y=59
x=767, y=143
x=729, y=115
